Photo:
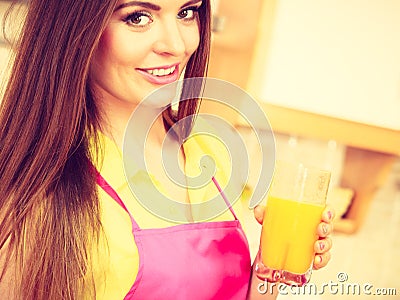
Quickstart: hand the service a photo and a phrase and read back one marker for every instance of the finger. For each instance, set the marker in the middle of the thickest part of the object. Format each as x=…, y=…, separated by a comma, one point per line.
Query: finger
x=259, y=213
x=321, y=260
x=324, y=229
x=328, y=214
x=322, y=246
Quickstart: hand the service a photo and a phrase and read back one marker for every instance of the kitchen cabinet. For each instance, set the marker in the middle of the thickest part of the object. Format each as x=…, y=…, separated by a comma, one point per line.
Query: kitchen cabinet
x=323, y=70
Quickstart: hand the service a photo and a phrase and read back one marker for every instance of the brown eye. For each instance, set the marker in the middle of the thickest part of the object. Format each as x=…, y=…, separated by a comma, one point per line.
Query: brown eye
x=188, y=13
x=140, y=19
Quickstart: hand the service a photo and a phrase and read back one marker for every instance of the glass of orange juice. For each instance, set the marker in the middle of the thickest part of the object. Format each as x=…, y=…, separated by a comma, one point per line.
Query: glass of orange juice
x=295, y=202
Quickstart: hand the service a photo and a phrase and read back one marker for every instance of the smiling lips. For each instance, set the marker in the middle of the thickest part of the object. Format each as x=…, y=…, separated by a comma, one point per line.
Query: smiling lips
x=161, y=75
x=161, y=72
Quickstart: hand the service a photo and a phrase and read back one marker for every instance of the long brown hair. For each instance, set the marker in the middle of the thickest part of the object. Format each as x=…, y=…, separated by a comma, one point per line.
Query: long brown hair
x=49, y=209
x=196, y=67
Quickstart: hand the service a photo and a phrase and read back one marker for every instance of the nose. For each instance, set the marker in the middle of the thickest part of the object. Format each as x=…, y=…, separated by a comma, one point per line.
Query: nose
x=170, y=40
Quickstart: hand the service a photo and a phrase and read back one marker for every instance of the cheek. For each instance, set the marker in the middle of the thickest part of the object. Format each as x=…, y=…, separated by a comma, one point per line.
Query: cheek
x=114, y=47
x=192, y=40
x=102, y=54
x=196, y=42
x=105, y=44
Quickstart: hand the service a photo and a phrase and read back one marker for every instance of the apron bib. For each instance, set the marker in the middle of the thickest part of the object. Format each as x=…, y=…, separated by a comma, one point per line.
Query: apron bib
x=199, y=261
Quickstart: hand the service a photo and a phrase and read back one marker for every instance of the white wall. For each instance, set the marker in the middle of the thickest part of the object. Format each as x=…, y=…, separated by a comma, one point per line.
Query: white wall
x=338, y=57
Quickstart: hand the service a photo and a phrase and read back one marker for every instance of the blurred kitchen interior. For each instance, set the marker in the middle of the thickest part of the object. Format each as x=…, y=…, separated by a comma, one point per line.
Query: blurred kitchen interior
x=327, y=75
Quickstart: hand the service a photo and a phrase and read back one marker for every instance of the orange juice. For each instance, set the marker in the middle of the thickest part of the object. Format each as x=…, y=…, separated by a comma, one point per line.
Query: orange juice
x=289, y=233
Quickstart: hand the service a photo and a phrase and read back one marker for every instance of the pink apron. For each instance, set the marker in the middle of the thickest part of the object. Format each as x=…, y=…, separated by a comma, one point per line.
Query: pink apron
x=208, y=260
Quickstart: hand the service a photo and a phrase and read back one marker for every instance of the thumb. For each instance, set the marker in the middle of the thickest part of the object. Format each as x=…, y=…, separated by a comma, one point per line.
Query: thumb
x=259, y=213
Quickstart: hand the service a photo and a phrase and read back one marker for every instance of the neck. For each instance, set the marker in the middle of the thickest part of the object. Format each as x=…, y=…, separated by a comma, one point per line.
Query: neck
x=148, y=120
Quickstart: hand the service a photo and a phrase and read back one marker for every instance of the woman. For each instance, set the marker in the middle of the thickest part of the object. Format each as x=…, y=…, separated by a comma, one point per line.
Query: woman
x=81, y=68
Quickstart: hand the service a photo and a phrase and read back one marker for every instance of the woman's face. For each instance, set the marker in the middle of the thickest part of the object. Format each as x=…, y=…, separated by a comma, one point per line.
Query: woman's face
x=145, y=45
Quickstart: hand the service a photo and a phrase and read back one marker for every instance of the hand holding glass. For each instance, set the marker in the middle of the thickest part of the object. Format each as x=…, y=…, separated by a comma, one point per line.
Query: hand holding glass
x=294, y=208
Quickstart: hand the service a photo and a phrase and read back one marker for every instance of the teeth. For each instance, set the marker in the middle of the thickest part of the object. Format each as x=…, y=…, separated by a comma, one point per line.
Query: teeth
x=161, y=72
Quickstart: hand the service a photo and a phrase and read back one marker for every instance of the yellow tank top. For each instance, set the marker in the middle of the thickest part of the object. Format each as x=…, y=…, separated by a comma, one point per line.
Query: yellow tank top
x=116, y=266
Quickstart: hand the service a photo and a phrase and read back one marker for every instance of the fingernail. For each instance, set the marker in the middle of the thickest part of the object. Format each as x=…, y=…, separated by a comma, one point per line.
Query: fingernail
x=321, y=246
x=330, y=215
x=325, y=229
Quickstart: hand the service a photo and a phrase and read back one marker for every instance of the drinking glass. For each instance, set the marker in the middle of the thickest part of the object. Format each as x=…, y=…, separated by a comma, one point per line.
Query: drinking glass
x=295, y=203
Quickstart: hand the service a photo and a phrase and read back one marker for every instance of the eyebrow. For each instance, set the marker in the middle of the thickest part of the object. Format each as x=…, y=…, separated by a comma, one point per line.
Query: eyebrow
x=151, y=5
x=192, y=2
x=138, y=3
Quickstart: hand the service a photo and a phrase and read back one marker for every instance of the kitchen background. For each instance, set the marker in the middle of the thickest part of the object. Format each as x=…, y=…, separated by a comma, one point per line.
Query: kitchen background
x=327, y=74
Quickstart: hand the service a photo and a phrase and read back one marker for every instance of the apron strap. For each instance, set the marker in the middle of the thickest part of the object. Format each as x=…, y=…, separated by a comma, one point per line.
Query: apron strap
x=224, y=197
x=113, y=194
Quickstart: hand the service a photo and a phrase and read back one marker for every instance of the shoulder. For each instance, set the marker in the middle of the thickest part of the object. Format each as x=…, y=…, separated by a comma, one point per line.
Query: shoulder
x=223, y=143
x=216, y=144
